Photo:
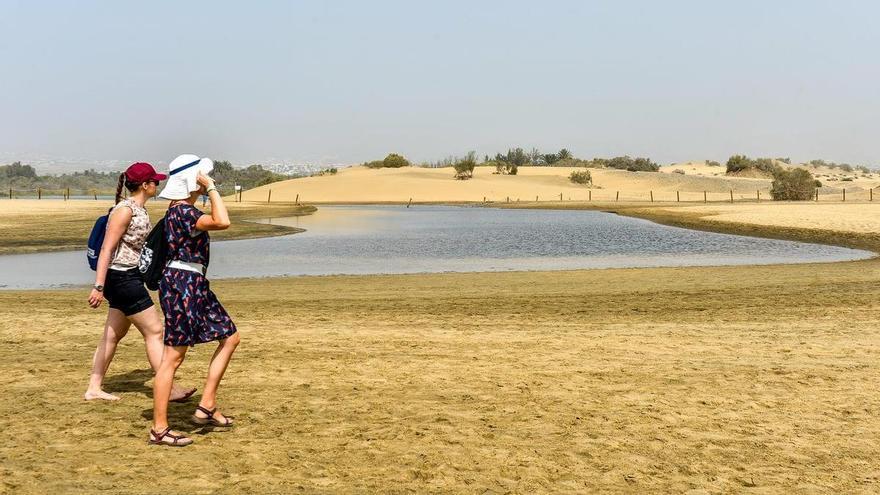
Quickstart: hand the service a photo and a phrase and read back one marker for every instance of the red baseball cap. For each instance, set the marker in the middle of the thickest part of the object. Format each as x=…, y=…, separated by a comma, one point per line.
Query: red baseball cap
x=142, y=172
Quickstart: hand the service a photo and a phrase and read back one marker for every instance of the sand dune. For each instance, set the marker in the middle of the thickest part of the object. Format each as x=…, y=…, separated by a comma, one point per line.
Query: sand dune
x=359, y=184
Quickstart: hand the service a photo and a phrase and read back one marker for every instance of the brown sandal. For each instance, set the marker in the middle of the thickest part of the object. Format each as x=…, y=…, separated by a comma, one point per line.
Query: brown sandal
x=210, y=420
x=176, y=440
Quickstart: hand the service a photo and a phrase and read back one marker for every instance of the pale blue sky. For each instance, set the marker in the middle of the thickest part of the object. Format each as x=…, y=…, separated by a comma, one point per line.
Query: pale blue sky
x=345, y=82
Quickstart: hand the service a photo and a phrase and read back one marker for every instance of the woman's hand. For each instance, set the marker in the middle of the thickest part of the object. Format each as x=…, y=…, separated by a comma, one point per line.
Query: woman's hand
x=204, y=181
x=95, y=298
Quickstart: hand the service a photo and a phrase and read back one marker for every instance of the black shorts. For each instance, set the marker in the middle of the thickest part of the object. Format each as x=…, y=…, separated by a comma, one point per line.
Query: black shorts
x=125, y=291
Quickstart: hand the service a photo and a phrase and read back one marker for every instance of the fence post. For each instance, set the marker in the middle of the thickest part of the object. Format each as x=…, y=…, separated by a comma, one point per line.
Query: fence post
x=410, y=202
x=731, y=195
x=871, y=194
x=677, y=197
x=39, y=193
x=704, y=197
x=652, y=195
x=297, y=199
x=844, y=194
x=617, y=197
x=591, y=194
x=560, y=196
x=68, y=193
x=536, y=199
x=269, y=199
x=759, y=195
x=508, y=199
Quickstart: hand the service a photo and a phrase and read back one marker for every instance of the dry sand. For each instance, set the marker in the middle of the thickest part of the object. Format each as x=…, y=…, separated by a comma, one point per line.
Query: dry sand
x=855, y=217
x=360, y=184
x=727, y=380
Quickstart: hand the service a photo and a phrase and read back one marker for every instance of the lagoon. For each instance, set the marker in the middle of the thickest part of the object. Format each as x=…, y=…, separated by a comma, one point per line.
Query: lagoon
x=427, y=239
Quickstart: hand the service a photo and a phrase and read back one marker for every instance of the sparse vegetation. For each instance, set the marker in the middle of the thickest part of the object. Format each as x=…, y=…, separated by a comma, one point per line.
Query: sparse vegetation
x=581, y=177
x=741, y=163
x=393, y=160
x=793, y=185
x=464, y=167
x=228, y=177
x=632, y=164
x=712, y=163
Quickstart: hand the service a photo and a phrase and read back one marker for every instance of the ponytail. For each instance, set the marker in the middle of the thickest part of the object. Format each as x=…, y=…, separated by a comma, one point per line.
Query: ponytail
x=119, y=185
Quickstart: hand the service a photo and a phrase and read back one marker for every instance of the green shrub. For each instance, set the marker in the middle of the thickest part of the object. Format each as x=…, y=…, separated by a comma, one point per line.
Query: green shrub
x=793, y=185
x=464, y=167
x=393, y=160
x=504, y=168
x=581, y=177
x=738, y=163
x=632, y=164
x=712, y=163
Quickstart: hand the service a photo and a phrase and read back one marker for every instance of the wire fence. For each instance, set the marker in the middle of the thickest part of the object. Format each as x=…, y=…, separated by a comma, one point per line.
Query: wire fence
x=611, y=196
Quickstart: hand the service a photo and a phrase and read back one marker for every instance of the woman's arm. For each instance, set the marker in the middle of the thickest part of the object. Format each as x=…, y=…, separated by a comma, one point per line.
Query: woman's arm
x=219, y=219
x=116, y=227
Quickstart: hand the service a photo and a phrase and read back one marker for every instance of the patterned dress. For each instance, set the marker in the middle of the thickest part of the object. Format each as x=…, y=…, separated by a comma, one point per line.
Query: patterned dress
x=193, y=315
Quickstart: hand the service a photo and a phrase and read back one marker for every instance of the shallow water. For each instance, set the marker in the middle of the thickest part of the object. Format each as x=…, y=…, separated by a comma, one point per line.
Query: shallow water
x=396, y=239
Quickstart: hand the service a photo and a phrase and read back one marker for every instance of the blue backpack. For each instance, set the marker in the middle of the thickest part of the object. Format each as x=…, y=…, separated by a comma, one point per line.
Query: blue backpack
x=96, y=240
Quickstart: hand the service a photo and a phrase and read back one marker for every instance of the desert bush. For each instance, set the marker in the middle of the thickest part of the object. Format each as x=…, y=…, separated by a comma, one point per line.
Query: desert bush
x=678, y=171
x=847, y=179
x=793, y=185
x=738, y=163
x=818, y=183
x=464, y=167
x=712, y=163
x=581, y=177
x=393, y=160
x=632, y=164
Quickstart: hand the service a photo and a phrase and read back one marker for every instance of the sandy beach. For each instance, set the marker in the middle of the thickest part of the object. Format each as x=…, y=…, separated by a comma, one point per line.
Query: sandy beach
x=716, y=380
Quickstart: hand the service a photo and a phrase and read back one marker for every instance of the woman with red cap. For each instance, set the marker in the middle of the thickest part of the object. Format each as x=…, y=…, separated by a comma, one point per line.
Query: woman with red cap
x=119, y=281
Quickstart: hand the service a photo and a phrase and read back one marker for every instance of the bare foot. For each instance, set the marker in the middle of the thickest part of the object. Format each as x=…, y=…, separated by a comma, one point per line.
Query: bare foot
x=99, y=395
x=180, y=394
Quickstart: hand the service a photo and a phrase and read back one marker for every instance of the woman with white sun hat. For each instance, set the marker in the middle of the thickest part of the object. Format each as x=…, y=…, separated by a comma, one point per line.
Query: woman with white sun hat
x=193, y=315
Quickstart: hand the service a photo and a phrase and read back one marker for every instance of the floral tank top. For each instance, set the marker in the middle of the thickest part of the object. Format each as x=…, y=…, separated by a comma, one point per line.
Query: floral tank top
x=128, y=251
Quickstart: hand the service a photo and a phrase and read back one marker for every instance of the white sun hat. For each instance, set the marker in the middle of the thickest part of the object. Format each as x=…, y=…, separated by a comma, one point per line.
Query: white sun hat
x=182, y=173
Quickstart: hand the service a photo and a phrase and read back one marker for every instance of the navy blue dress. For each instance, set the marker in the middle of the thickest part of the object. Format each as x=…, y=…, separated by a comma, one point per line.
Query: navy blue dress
x=193, y=315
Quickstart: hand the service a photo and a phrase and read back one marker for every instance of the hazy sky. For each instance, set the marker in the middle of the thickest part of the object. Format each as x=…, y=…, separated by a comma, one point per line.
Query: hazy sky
x=343, y=82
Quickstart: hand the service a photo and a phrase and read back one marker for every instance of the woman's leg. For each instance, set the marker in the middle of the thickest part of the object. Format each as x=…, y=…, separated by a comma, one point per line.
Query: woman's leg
x=115, y=328
x=152, y=328
x=217, y=368
x=162, y=384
